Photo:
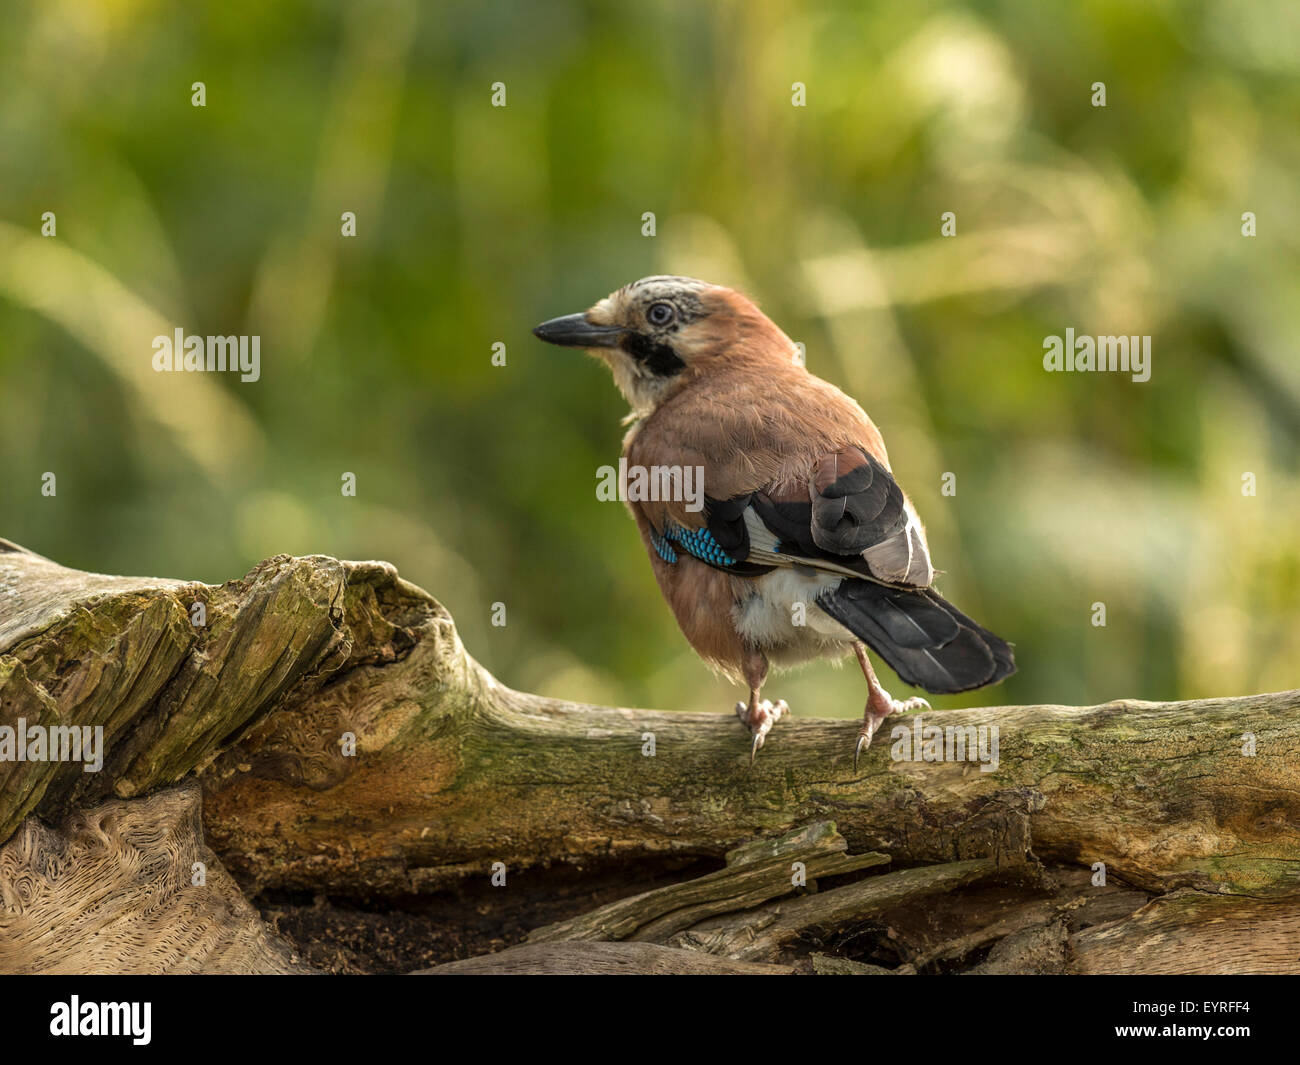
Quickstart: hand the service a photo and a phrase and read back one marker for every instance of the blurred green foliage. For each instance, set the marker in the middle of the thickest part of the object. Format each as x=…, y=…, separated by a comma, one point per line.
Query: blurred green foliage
x=475, y=222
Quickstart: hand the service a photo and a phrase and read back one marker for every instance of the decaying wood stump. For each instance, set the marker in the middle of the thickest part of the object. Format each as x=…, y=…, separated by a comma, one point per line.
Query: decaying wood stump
x=128, y=887
x=346, y=744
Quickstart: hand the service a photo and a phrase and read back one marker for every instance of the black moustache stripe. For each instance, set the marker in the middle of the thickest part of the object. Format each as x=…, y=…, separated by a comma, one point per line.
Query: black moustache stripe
x=658, y=358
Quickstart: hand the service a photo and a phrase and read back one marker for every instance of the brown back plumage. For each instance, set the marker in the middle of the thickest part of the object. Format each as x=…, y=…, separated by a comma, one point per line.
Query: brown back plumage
x=746, y=410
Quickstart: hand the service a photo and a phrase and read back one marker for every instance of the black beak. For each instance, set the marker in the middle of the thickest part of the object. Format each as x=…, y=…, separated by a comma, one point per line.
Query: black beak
x=574, y=331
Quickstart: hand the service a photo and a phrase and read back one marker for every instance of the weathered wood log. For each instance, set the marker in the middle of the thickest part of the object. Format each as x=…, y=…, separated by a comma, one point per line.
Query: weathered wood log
x=345, y=742
x=763, y=934
x=128, y=887
x=754, y=874
x=1034, y=915
x=1190, y=932
x=454, y=771
x=1019, y=916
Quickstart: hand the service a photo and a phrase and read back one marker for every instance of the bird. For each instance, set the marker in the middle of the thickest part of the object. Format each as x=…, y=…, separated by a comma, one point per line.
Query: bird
x=803, y=546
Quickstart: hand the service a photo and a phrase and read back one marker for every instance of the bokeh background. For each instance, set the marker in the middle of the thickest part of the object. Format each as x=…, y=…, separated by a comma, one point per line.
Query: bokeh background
x=475, y=222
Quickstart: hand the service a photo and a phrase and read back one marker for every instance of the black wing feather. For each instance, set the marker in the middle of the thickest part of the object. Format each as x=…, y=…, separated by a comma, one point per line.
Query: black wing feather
x=925, y=639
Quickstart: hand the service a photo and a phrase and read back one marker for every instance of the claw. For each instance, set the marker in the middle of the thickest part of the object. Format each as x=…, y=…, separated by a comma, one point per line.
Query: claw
x=871, y=721
x=760, y=720
x=864, y=741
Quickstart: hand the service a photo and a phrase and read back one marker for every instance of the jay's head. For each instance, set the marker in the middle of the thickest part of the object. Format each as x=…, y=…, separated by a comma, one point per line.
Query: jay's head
x=661, y=334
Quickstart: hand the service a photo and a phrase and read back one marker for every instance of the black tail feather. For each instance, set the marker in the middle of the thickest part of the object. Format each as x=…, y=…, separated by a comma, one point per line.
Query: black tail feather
x=926, y=640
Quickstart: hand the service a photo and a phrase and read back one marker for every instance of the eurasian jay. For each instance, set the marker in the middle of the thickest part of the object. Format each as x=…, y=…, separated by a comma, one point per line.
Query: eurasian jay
x=805, y=546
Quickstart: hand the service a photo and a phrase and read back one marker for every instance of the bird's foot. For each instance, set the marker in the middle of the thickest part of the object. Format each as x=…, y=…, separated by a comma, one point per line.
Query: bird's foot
x=879, y=707
x=760, y=720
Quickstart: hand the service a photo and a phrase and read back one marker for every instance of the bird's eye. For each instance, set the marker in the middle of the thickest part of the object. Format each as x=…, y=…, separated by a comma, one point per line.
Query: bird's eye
x=660, y=313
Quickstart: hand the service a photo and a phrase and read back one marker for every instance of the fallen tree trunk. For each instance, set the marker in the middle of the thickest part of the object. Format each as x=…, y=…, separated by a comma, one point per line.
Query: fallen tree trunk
x=347, y=744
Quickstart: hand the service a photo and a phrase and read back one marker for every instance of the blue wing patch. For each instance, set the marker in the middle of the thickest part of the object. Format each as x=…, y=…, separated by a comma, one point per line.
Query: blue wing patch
x=697, y=542
x=662, y=547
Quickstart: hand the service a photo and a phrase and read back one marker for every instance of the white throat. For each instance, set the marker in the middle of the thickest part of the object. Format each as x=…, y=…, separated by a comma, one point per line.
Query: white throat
x=644, y=391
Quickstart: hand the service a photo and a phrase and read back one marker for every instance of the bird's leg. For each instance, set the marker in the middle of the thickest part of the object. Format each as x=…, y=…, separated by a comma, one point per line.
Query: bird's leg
x=879, y=704
x=758, y=717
